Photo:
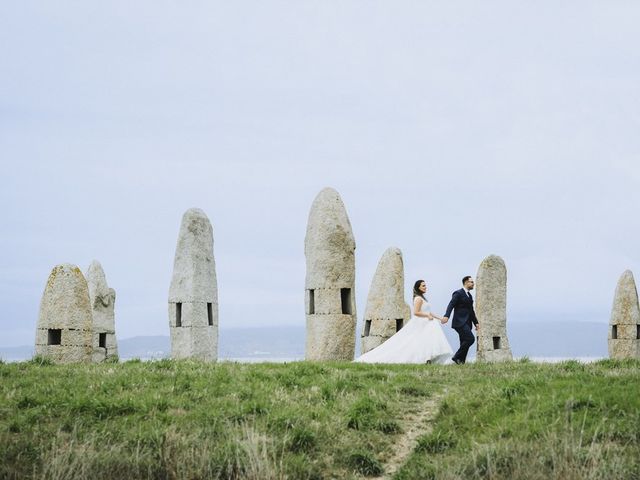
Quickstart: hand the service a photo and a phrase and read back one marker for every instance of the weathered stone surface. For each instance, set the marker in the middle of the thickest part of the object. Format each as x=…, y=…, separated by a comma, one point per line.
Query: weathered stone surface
x=330, y=280
x=624, y=324
x=491, y=310
x=193, y=294
x=386, y=309
x=330, y=337
x=64, y=331
x=103, y=301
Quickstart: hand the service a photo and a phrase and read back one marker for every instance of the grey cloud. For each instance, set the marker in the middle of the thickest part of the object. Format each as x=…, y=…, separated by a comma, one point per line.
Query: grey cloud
x=451, y=131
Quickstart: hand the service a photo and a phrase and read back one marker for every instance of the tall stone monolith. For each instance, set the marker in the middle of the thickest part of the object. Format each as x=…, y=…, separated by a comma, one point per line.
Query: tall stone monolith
x=193, y=295
x=103, y=301
x=386, y=310
x=491, y=310
x=329, y=248
x=64, y=331
x=624, y=325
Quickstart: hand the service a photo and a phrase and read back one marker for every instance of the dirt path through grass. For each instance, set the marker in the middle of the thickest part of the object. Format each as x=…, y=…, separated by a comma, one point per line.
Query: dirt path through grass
x=416, y=422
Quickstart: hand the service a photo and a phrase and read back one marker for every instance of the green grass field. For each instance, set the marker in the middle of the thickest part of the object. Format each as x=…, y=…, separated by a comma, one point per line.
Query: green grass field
x=186, y=420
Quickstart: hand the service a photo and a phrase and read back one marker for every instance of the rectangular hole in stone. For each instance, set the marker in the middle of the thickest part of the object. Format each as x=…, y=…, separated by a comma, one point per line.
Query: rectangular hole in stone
x=210, y=314
x=614, y=332
x=54, y=336
x=312, y=302
x=345, y=297
x=102, y=340
x=178, y=314
x=367, y=327
x=399, y=324
x=496, y=343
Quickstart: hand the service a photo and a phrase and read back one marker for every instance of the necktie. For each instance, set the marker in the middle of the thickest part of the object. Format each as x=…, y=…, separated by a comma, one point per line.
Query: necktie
x=470, y=297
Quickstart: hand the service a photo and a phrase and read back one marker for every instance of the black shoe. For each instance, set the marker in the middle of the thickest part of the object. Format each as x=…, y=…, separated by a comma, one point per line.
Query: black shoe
x=457, y=361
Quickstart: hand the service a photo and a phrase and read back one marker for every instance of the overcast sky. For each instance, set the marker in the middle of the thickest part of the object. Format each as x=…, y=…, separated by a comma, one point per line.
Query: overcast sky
x=452, y=130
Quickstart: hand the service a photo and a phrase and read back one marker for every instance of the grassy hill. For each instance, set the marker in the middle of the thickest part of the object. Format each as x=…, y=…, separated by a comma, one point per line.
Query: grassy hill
x=175, y=420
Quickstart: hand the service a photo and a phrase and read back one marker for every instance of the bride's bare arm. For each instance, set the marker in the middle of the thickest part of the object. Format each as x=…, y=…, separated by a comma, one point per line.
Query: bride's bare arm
x=417, y=305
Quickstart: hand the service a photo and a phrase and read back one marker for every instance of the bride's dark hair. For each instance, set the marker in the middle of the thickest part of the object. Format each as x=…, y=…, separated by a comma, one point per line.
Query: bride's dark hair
x=416, y=291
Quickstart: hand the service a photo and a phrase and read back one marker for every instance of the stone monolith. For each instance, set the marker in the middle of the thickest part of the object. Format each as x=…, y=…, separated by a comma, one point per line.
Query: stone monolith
x=624, y=325
x=386, y=311
x=64, y=331
x=329, y=248
x=103, y=301
x=193, y=295
x=491, y=310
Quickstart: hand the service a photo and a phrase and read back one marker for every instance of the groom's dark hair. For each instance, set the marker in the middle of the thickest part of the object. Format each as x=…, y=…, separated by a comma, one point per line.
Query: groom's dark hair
x=464, y=280
x=416, y=292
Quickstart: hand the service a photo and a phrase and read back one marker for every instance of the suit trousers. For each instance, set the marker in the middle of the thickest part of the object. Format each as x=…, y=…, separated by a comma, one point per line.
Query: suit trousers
x=466, y=340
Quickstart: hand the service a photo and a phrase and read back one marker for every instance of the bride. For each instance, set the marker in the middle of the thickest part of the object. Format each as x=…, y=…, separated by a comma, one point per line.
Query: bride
x=421, y=340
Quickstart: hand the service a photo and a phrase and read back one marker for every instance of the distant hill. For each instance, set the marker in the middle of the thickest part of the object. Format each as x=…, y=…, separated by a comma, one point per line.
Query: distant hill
x=539, y=339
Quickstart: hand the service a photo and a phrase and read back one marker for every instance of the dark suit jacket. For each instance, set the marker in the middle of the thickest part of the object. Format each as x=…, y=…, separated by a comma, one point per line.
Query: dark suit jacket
x=463, y=306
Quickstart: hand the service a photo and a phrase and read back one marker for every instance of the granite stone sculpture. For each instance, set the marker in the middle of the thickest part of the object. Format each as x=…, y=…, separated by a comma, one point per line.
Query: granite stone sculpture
x=491, y=311
x=330, y=280
x=103, y=301
x=624, y=325
x=65, y=325
x=386, y=311
x=193, y=295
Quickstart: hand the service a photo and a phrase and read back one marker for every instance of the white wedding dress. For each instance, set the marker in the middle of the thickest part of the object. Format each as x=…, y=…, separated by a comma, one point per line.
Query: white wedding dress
x=419, y=341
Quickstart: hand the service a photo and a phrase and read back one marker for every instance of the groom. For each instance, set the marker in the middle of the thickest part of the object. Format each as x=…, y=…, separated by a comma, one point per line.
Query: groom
x=463, y=317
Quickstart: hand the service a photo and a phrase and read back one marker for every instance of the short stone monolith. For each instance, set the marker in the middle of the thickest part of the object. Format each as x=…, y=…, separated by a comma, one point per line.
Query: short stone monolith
x=65, y=325
x=103, y=301
x=491, y=311
x=329, y=248
x=386, y=311
x=624, y=324
x=193, y=294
